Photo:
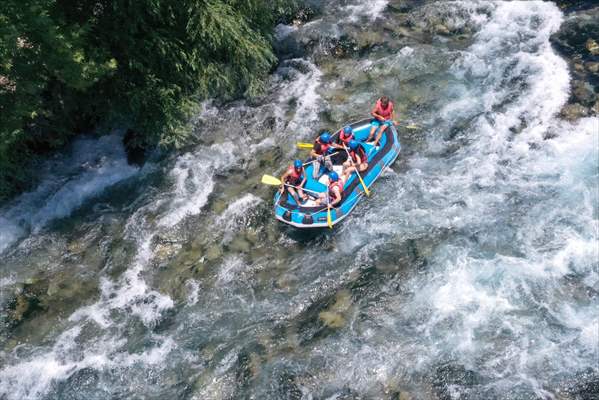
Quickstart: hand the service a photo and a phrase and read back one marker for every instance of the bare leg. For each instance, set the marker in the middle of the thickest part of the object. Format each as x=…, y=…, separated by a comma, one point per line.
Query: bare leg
x=371, y=134
x=316, y=168
x=301, y=193
x=293, y=194
x=378, y=137
x=328, y=163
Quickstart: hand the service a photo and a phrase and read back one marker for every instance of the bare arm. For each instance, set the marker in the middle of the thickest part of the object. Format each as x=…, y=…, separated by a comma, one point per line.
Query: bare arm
x=375, y=115
x=337, y=196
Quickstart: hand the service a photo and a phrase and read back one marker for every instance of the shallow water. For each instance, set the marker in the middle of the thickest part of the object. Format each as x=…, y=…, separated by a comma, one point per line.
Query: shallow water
x=470, y=274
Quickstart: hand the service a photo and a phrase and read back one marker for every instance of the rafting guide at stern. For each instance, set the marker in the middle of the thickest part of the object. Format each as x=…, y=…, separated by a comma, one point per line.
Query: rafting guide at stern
x=384, y=117
x=340, y=170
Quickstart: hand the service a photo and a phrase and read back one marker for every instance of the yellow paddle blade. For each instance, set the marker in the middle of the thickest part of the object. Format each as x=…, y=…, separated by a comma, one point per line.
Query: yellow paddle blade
x=412, y=126
x=329, y=219
x=366, y=190
x=270, y=180
x=305, y=145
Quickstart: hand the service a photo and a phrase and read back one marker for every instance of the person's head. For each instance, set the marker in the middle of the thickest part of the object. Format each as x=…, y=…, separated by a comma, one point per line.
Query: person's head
x=348, y=130
x=384, y=101
x=297, y=164
x=353, y=144
x=333, y=176
x=325, y=137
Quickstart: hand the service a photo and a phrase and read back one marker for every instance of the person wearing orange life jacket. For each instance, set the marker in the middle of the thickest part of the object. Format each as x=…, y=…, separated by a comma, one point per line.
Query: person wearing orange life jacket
x=294, y=176
x=358, y=157
x=320, y=152
x=334, y=194
x=345, y=135
x=384, y=116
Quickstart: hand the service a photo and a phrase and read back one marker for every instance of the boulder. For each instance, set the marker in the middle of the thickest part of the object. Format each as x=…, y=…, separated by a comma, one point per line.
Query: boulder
x=574, y=111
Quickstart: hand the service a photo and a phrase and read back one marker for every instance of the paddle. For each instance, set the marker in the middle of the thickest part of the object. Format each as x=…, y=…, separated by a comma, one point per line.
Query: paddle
x=271, y=180
x=329, y=219
x=357, y=172
x=305, y=145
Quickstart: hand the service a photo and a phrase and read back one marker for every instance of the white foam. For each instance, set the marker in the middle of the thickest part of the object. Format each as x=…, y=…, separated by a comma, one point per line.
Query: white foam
x=303, y=87
x=369, y=9
x=92, y=166
x=193, y=181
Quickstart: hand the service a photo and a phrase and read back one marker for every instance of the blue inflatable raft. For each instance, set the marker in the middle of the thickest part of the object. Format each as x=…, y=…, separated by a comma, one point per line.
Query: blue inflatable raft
x=310, y=215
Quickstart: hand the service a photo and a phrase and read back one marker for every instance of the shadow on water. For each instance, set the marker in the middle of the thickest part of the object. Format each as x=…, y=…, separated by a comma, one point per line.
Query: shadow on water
x=307, y=236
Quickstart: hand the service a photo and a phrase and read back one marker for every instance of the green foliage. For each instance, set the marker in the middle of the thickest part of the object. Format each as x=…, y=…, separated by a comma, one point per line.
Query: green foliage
x=67, y=66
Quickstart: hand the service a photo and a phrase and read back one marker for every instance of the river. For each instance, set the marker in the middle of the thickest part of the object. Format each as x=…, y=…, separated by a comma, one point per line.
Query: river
x=471, y=273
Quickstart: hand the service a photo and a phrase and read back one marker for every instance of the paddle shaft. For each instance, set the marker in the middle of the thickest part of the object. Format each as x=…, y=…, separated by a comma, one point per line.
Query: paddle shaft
x=357, y=172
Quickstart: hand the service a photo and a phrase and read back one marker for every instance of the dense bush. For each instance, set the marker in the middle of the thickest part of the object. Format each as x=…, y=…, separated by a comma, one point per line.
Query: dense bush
x=70, y=66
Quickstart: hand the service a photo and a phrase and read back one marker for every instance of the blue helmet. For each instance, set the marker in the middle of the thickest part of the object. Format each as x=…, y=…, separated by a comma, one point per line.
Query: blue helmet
x=347, y=129
x=353, y=144
x=325, y=137
x=297, y=164
x=333, y=176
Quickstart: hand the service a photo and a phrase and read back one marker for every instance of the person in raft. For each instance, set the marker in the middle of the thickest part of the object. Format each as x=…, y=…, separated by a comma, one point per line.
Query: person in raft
x=320, y=152
x=345, y=135
x=294, y=176
x=335, y=190
x=384, y=116
x=359, y=160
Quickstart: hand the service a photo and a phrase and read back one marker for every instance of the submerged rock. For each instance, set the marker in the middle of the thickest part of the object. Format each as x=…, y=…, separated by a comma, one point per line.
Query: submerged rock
x=576, y=40
x=573, y=112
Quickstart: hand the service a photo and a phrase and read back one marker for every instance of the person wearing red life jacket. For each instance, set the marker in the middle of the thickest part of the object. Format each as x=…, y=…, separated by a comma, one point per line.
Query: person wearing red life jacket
x=294, y=176
x=321, y=154
x=384, y=116
x=345, y=135
x=334, y=194
x=359, y=160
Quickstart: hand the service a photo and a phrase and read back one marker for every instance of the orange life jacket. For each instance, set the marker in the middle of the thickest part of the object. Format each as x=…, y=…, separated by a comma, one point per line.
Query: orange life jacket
x=294, y=177
x=332, y=186
x=322, y=148
x=345, y=139
x=358, y=152
x=384, y=112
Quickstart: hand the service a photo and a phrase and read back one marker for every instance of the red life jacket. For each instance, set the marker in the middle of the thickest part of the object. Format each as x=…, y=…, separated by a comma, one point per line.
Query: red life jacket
x=345, y=139
x=322, y=148
x=332, y=186
x=360, y=152
x=384, y=112
x=294, y=177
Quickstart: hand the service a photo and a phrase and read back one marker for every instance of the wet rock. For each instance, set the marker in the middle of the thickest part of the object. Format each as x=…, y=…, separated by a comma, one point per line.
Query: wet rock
x=449, y=375
x=26, y=302
x=578, y=34
x=332, y=319
x=583, y=93
x=287, y=388
x=214, y=252
x=134, y=147
x=573, y=112
x=592, y=46
x=343, y=47
x=584, y=386
x=248, y=365
x=592, y=67
x=83, y=384
x=240, y=245
x=441, y=29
